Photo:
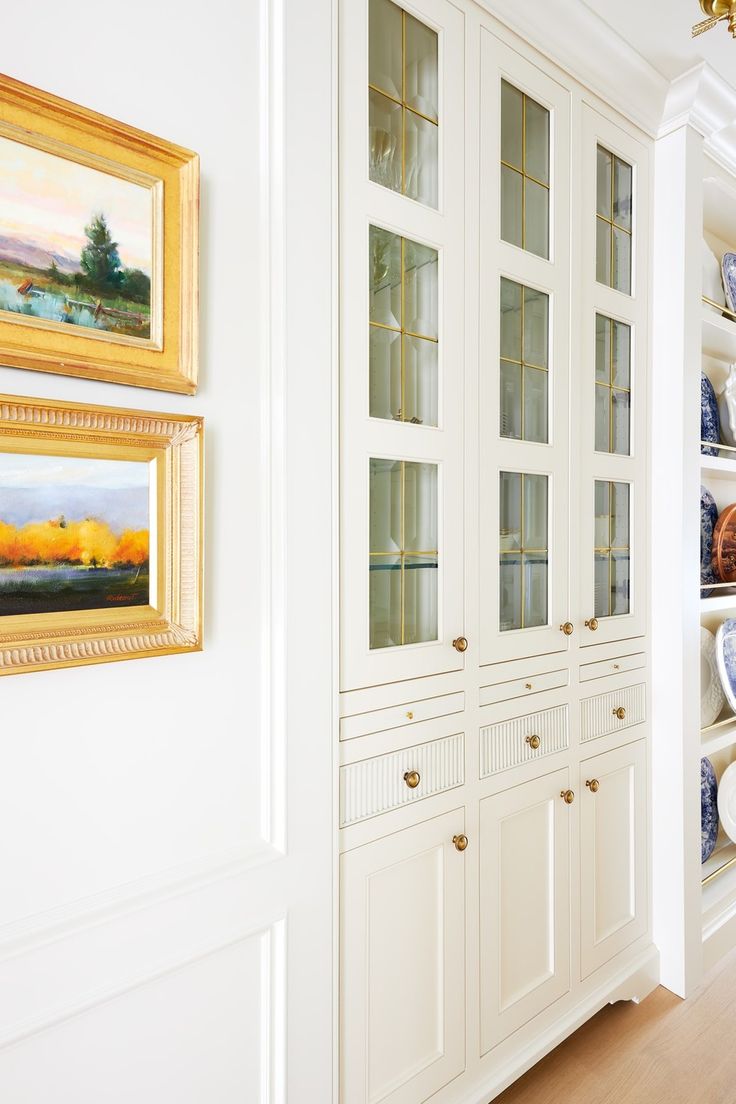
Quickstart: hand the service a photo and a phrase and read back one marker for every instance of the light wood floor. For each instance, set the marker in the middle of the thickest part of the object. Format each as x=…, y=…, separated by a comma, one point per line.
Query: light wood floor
x=663, y=1051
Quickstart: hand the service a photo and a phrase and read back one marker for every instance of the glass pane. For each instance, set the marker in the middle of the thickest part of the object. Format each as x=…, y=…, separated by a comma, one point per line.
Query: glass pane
x=536, y=327
x=602, y=349
x=420, y=599
x=602, y=418
x=620, y=596
x=621, y=354
x=385, y=373
x=421, y=68
x=600, y=584
x=535, y=590
x=604, y=171
x=385, y=505
x=603, y=252
x=622, y=179
x=510, y=592
x=511, y=293
x=420, y=507
x=384, y=70
x=510, y=511
x=535, y=405
x=602, y=515
x=537, y=141
x=535, y=512
x=385, y=277
x=421, y=154
x=511, y=125
x=621, y=261
x=511, y=220
x=621, y=443
x=420, y=381
x=420, y=289
x=384, y=599
x=536, y=219
x=385, y=124
x=620, y=515
x=510, y=400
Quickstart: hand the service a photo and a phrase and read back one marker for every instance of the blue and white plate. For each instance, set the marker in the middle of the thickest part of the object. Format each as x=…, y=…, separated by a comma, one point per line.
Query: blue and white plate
x=727, y=801
x=712, y=698
x=726, y=659
x=710, y=422
x=708, y=519
x=708, y=809
x=728, y=269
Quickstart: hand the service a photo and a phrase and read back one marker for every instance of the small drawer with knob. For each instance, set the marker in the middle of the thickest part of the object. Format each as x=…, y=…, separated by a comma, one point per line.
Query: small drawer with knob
x=619, y=665
x=377, y=785
x=612, y=712
x=522, y=739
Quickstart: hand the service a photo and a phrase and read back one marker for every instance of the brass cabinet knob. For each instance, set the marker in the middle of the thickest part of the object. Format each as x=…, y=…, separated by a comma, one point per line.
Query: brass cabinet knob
x=593, y=785
x=620, y=713
x=460, y=644
x=461, y=842
x=568, y=628
x=410, y=715
x=412, y=779
x=592, y=624
x=568, y=796
x=533, y=742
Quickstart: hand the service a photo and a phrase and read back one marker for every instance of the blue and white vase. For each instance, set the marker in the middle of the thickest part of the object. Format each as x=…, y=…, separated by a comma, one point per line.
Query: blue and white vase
x=708, y=809
x=708, y=519
x=710, y=424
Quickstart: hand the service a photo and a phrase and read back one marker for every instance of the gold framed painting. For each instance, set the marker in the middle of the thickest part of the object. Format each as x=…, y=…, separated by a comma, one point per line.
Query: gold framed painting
x=100, y=534
x=98, y=245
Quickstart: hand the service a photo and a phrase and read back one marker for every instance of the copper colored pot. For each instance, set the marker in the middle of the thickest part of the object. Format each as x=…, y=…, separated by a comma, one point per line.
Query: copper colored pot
x=724, y=545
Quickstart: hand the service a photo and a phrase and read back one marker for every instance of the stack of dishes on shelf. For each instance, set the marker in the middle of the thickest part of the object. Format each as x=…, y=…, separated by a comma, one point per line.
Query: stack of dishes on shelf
x=717, y=686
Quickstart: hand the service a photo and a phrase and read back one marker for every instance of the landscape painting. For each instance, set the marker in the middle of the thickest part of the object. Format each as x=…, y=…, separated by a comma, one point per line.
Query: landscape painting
x=76, y=243
x=74, y=533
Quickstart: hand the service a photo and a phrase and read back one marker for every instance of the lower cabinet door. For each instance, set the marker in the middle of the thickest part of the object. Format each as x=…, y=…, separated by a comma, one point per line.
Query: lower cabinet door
x=613, y=853
x=403, y=964
x=524, y=903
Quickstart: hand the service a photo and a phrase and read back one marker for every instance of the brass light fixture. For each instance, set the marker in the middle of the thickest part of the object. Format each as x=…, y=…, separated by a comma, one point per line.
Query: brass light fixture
x=716, y=10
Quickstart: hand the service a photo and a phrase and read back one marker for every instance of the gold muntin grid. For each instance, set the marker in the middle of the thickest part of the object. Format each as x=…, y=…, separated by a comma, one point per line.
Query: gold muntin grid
x=611, y=222
x=524, y=362
x=611, y=548
x=522, y=551
x=522, y=171
x=612, y=387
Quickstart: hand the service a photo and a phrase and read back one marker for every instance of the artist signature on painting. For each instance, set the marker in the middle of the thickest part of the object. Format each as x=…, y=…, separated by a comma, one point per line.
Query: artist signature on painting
x=118, y=597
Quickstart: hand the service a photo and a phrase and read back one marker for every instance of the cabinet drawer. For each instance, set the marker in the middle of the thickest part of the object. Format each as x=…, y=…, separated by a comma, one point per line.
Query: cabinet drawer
x=612, y=666
x=396, y=716
x=599, y=715
x=376, y=785
x=506, y=744
x=522, y=687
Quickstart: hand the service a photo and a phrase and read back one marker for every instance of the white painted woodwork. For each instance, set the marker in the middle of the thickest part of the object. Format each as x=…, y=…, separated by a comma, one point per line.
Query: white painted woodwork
x=399, y=716
x=377, y=785
x=621, y=664
x=507, y=744
x=403, y=964
x=613, y=853
x=523, y=687
x=598, y=715
x=524, y=904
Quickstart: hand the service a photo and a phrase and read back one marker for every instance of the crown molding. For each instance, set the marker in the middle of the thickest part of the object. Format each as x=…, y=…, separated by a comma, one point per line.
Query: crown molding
x=578, y=40
x=703, y=100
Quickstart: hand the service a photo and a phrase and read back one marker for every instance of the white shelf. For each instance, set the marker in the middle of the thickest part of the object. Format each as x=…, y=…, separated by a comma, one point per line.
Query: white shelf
x=719, y=335
x=718, y=736
x=717, y=603
x=718, y=467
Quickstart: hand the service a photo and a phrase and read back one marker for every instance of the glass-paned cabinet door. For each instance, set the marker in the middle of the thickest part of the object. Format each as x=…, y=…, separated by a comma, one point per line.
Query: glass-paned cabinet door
x=524, y=368
x=612, y=386
x=525, y=171
x=614, y=221
x=612, y=552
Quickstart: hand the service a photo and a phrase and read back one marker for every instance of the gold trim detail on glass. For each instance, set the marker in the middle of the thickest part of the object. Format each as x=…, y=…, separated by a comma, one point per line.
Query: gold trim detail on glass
x=518, y=607
x=612, y=559
x=612, y=366
x=613, y=223
x=529, y=365
x=519, y=234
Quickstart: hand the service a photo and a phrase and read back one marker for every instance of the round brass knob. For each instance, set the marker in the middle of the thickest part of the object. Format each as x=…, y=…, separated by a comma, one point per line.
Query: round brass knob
x=592, y=624
x=410, y=715
x=412, y=779
x=533, y=742
x=620, y=713
x=568, y=628
x=567, y=796
x=593, y=785
x=461, y=842
x=460, y=645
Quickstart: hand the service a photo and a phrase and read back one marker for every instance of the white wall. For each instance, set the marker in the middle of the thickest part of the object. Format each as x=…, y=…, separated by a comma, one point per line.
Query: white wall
x=152, y=916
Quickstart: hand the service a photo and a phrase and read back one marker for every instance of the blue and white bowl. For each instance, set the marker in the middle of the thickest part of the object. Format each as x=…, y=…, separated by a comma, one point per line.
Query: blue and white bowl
x=710, y=422
x=726, y=659
x=728, y=271
x=708, y=809
x=708, y=519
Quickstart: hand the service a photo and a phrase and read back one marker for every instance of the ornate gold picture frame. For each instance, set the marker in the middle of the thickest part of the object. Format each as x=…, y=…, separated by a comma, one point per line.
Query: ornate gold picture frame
x=98, y=245
x=100, y=534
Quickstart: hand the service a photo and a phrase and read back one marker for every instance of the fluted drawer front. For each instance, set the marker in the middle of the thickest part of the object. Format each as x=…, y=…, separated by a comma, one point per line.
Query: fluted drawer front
x=509, y=743
x=608, y=713
x=376, y=785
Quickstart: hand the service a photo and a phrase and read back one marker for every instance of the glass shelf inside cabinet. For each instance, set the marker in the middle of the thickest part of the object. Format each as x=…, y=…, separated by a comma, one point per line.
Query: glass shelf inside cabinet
x=403, y=361
x=403, y=557
x=612, y=554
x=614, y=221
x=525, y=175
x=523, y=550
x=403, y=93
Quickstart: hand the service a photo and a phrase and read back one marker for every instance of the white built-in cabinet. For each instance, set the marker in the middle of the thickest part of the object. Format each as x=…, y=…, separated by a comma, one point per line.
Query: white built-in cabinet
x=494, y=752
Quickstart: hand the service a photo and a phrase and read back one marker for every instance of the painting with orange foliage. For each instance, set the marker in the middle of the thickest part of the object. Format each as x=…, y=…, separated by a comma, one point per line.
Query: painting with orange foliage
x=74, y=533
